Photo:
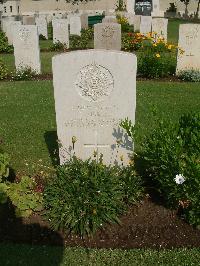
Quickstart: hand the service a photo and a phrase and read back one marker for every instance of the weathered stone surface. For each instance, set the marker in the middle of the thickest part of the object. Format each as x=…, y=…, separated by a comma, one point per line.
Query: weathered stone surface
x=145, y=24
x=109, y=19
x=107, y=36
x=159, y=25
x=26, y=48
x=28, y=20
x=137, y=21
x=41, y=23
x=189, y=41
x=84, y=21
x=93, y=91
x=11, y=29
x=61, y=31
x=75, y=25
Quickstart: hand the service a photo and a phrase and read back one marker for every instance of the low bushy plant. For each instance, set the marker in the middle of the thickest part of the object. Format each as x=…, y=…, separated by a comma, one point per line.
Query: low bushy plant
x=82, y=42
x=156, y=65
x=192, y=75
x=86, y=194
x=172, y=159
x=25, y=73
x=4, y=173
x=24, y=196
x=4, y=46
x=3, y=71
x=42, y=37
x=58, y=46
x=123, y=21
x=4, y=166
x=171, y=162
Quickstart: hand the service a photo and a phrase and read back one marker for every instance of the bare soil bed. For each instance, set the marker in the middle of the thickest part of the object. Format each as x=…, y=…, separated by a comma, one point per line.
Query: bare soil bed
x=148, y=225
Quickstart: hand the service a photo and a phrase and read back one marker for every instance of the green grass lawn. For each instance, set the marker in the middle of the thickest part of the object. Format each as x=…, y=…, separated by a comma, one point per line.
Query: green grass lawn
x=25, y=255
x=45, y=57
x=28, y=125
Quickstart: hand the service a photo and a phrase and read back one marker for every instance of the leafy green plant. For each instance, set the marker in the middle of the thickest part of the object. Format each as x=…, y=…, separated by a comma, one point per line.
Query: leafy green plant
x=123, y=21
x=4, y=46
x=58, y=46
x=86, y=194
x=24, y=196
x=25, y=73
x=156, y=65
x=4, y=166
x=3, y=71
x=83, y=196
x=171, y=156
x=192, y=75
x=120, y=6
x=82, y=42
x=42, y=37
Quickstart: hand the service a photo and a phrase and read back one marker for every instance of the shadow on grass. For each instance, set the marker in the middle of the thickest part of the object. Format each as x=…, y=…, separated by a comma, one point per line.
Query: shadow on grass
x=51, y=140
x=27, y=242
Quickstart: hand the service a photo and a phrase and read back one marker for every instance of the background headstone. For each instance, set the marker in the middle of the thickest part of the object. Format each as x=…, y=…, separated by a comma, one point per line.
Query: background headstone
x=41, y=23
x=109, y=19
x=91, y=100
x=189, y=41
x=137, y=21
x=145, y=24
x=61, y=31
x=84, y=21
x=107, y=36
x=75, y=25
x=28, y=20
x=130, y=6
x=26, y=48
x=11, y=27
x=159, y=25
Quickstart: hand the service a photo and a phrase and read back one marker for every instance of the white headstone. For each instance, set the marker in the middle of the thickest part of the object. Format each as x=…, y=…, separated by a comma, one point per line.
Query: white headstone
x=5, y=22
x=145, y=24
x=159, y=25
x=41, y=23
x=91, y=98
x=107, y=36
x=75, y=25
x=28, y=20
x=61, y=31
x=137, y=21
x=84, y=21
x=130, y=17
x=26, y=48
x=156, y=8
x=11, y=27
x=109, y=19
x=189, y=42
x=130, y=6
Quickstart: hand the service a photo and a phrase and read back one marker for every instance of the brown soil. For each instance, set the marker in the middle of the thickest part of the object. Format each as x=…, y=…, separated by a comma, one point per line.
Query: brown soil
x=147, y=225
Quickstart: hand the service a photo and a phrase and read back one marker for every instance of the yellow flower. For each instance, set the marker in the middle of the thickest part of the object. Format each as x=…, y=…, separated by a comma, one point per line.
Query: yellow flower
x=169, y=47
x=158, y=55
x=155, y=44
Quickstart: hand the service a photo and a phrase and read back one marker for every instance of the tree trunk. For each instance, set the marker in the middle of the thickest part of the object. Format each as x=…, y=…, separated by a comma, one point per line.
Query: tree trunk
x=197, y=12
x=186, y=9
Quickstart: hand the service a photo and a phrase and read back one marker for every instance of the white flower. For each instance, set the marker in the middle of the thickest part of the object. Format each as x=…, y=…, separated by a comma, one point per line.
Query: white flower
x=179, y=179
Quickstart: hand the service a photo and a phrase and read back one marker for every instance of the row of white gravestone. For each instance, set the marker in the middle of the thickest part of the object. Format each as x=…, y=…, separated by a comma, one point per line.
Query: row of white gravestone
x=106, y=36
x=146, y=24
